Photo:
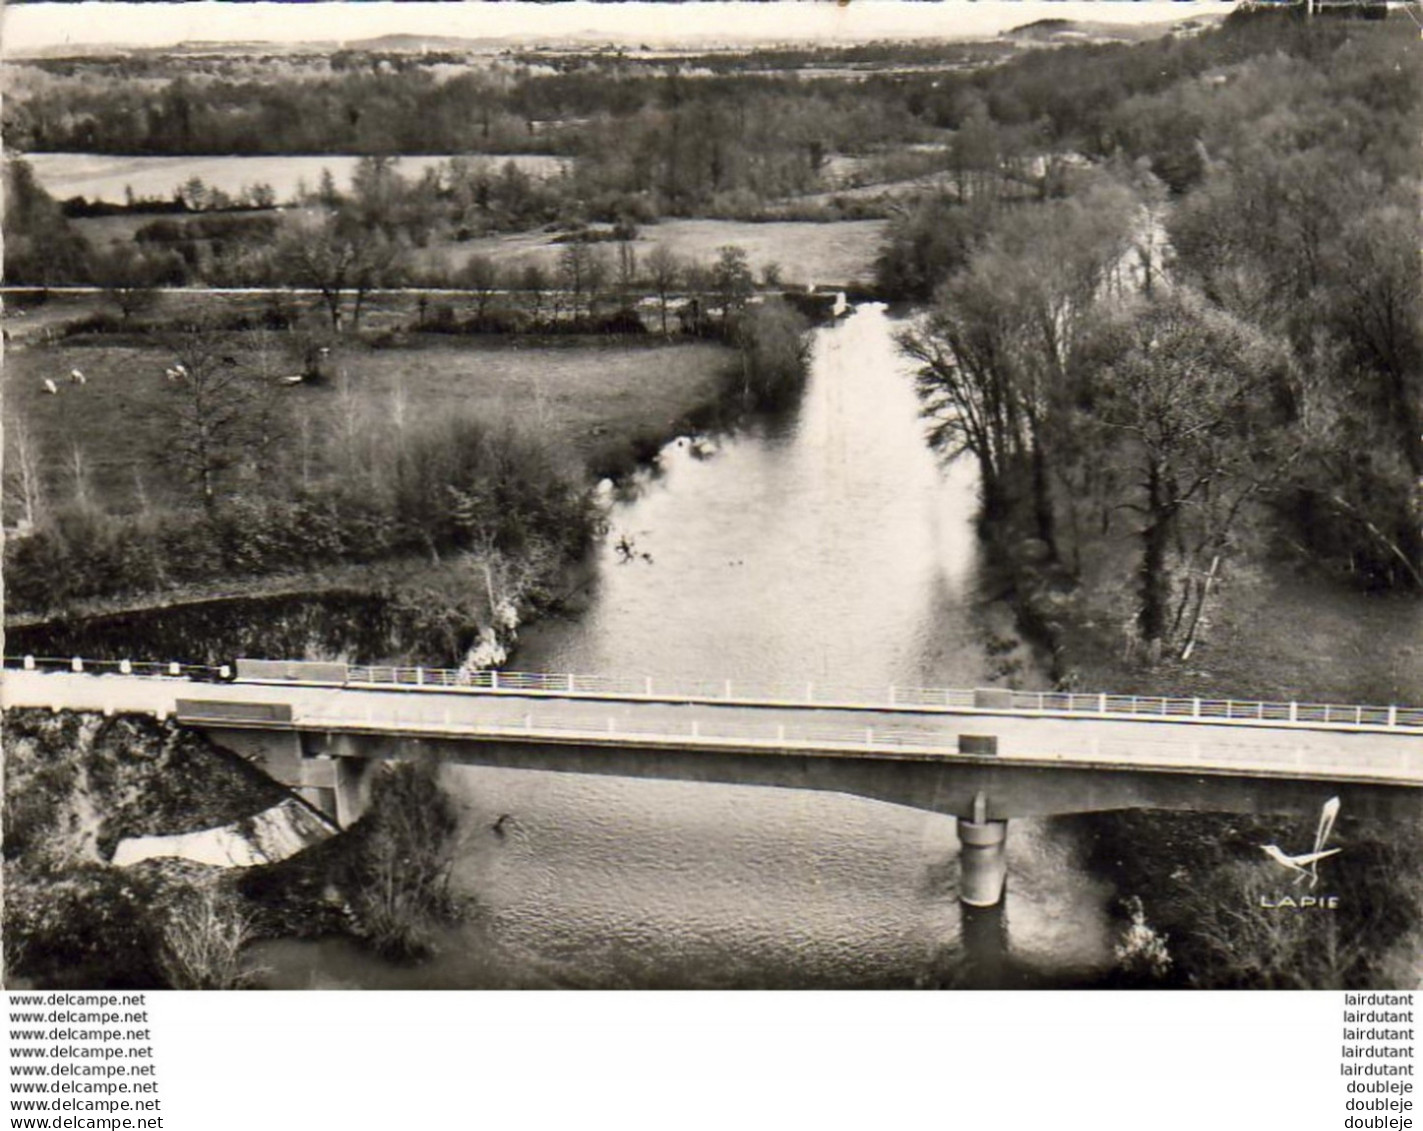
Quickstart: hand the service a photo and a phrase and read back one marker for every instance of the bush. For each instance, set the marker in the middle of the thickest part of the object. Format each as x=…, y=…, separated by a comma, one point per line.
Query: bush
x=924, y=247
x=775, y=354
x=397, y=878
x=624, y=320
x=100, y=322
x=85, y=927
x=201, y=942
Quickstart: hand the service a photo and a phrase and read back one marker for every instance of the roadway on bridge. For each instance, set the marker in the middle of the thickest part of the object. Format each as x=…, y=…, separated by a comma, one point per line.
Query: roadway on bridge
x=1292, y=750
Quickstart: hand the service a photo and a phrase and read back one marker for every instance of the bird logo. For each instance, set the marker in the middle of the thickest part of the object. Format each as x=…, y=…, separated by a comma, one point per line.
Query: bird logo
x=1306, y=864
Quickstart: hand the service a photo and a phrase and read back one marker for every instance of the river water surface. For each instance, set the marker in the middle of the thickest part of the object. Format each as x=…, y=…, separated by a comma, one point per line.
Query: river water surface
x=825, y=544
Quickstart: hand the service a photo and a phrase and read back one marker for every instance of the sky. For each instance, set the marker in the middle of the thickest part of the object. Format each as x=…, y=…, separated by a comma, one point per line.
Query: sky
x=31, y=26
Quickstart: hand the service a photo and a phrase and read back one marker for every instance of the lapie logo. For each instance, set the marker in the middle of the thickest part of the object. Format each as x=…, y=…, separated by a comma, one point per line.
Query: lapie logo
x=1305, y=865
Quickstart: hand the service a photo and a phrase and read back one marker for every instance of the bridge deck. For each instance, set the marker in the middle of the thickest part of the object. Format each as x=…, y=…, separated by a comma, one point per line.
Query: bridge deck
x=1306, y=751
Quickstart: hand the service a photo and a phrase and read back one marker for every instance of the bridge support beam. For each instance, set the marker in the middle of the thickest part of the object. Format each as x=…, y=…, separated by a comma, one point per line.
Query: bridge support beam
x=983, y=857
x=351, y=789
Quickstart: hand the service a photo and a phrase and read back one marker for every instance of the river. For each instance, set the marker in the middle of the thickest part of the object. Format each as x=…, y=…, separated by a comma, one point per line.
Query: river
x=822, y=544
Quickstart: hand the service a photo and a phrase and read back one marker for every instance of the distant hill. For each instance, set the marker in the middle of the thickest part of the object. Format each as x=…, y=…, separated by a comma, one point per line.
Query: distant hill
x=1045, y=32
x=1039, y=29
x=385, y=44
x=1059, y=31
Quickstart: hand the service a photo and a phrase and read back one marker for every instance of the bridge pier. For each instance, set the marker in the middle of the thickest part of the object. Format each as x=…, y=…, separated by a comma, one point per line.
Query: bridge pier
x=983, y=858
x=984, y=932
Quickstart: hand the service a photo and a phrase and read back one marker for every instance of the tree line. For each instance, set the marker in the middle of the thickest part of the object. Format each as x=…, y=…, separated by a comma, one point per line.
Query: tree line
x=660, y=139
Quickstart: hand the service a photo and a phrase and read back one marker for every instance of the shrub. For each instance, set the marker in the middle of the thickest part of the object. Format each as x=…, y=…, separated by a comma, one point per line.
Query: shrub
x=201, y=942
x=775, y=354
x=100, y=322
x=87, y=926
x=397, y=878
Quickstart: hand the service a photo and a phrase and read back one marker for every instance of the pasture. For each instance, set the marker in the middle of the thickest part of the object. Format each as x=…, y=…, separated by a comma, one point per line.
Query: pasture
x=101, y=176
x=590, y=397
x=830, y=254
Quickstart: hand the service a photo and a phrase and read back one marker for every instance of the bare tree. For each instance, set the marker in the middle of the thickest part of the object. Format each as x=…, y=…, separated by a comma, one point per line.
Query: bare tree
x=350, y=431
x=481, y=275
x=1187, y=393
x=202, y=943
x=999, y=347
x=334, y=256
x=664, y=271
x=78, y=468
x=23, y=477
x=627, y=256
x=218, y=412
x=399, y=873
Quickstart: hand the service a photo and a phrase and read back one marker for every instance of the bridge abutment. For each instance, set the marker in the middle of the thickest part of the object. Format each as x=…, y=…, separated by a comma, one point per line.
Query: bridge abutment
x=337, y=786
x=352, y=789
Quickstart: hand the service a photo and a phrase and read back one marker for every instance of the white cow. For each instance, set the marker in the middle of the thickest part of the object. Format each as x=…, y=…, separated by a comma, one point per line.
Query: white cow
x=50, y=387
x=77, y=378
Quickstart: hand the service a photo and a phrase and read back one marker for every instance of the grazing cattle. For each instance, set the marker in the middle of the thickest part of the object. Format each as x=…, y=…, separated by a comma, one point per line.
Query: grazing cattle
x=294, y=379
x=50, y=387
x=77, y=378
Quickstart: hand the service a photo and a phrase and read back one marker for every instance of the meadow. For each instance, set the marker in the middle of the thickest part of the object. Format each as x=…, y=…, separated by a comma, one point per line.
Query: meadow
x=106, y=177
x=587, y=397
x=838, y=253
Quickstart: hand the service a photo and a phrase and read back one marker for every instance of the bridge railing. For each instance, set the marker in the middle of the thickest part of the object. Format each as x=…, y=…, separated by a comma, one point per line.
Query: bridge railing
x=811, y=693
x=592, y=725
x=713, y=732
x=207, y=673
x=785, y=692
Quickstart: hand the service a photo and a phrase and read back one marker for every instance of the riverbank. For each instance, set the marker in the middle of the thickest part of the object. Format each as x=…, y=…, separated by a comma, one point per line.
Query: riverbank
x=1272, y=628
x=1195, y=895
x=480, y=454
x=78, y=785
x=599, y=408
x=139, y=854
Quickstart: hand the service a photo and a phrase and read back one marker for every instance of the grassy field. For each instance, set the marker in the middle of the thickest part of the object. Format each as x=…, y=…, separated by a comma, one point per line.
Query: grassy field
x=99, y=176
x=830, y=254
x=586, y=395
x=590, y=397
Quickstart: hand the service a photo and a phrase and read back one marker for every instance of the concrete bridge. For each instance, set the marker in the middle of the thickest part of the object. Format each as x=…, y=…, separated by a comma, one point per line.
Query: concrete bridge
x=982, y=756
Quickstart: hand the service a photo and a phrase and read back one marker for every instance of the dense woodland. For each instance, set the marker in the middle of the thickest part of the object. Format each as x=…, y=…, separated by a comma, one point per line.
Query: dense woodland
x=651, y=137
x=1212, y=341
